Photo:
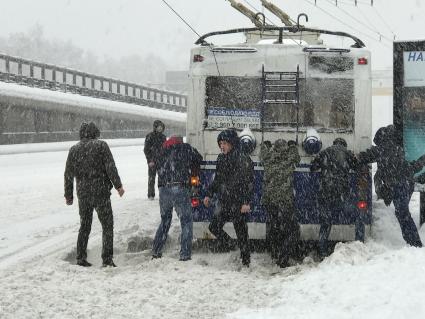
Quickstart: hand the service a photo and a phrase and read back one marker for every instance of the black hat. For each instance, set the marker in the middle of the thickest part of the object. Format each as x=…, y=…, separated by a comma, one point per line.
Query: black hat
x=384, y=134
x=280, y=144
x=92, y=131
x=340, y=141
x=89, y=130
x=230, y=136
x=83, y=130
x=157, y=123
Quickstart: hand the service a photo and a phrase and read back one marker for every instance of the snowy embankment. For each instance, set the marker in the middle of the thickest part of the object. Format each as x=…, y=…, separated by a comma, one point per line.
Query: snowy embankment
x=59, y=100
x=382, y=278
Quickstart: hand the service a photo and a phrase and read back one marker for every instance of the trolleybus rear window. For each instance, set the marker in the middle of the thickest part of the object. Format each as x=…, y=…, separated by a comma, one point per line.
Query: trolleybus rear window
x=324, y=102
x=331, y=64
x=232, y=92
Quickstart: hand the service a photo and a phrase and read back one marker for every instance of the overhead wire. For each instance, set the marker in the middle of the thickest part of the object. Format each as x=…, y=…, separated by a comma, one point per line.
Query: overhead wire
x=181, y=18
x=344, y=23
x=373, y=28
x=353, y=2
x=384, y=22
x=368, y=21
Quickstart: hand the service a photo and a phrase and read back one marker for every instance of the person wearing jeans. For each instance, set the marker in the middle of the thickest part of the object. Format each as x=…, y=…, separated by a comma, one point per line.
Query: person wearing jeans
x=177, y=162
x=177, y=196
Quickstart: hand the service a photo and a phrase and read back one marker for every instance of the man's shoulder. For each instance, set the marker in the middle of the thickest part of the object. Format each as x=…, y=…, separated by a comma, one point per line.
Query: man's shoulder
x=189, y=147
x=220, y=157
x=246, y=160
x=98, y=143
x=74, y=148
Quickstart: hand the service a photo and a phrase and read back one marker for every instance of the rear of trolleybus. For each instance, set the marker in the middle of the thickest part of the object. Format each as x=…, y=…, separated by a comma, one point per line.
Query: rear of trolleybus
x=294, y=90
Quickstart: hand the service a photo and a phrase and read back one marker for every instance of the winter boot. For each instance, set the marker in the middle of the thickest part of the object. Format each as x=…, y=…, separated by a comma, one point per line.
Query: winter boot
x=83, y=263
x=185, y=258
x=282, y=262
x=246, y=259
x=109, y=263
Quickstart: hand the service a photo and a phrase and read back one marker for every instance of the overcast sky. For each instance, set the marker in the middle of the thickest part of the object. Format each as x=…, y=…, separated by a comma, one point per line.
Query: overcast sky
x=124, y=27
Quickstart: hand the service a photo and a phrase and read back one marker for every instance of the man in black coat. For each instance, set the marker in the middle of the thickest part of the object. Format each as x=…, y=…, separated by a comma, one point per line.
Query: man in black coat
x=234, y=186
x=334, y=163
x=152, y=150
x=177, y=163
x=394, y=178
x=91, y=163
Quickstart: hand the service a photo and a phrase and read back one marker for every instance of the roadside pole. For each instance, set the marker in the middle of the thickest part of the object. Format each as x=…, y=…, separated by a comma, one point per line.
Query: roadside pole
x=409, y=103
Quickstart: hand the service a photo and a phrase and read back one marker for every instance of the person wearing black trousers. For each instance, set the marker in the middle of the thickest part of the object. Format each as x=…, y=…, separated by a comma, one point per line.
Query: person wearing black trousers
x=91, y=163
x=152, y=150
x=394, y=179
x=234, y=186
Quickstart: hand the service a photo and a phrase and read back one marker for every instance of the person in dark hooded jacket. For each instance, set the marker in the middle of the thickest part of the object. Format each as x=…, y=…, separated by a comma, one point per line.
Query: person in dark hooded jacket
x=334, y=163
x=234, y=186
x=394, y=178
x=177, y=163
x=152, y=150
x=91, y=163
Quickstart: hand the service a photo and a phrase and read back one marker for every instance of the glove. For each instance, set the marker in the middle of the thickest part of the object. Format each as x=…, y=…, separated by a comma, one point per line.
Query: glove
x=292, y=143
x=267, y=144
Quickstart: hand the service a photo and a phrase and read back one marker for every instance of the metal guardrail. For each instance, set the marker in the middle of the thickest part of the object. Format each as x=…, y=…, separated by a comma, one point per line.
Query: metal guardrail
x=53, y=77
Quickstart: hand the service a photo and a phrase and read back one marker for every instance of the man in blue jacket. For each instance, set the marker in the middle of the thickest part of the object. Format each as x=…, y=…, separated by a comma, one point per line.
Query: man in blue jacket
x=176, y=164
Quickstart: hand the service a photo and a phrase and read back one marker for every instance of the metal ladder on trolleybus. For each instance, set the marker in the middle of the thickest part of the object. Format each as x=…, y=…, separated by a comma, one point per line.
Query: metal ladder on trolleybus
x=280, y=88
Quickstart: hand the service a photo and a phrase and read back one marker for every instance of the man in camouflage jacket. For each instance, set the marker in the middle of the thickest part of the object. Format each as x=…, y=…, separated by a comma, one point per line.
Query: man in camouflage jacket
x=279, y=163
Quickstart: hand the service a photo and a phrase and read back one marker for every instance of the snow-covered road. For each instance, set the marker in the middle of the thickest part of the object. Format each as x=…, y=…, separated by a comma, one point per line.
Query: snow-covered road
x=380, y=279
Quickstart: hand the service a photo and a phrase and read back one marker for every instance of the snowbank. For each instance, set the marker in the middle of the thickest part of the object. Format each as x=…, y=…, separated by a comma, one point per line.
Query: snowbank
x=75, y=100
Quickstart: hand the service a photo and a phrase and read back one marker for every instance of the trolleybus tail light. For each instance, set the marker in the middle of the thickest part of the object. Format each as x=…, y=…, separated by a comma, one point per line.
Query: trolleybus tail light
x=362, y=61
x=194, y=180
x=195, y=202
x=362, y=205
x=198, y=58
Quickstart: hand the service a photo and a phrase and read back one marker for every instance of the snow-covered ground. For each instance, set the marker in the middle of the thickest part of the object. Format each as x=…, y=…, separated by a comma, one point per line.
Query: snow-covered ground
x=382, y=278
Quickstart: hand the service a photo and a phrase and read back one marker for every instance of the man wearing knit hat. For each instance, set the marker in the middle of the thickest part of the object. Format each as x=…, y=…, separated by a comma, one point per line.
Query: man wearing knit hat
x=234, y=186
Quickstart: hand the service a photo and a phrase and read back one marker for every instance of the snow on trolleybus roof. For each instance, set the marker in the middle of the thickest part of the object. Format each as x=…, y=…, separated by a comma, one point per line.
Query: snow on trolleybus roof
x=283, y=83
